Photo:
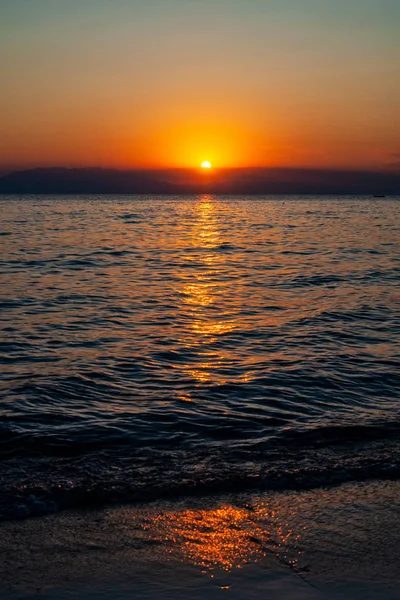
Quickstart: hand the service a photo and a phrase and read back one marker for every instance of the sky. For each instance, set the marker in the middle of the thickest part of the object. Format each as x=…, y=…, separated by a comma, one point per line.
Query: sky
x=171, y=83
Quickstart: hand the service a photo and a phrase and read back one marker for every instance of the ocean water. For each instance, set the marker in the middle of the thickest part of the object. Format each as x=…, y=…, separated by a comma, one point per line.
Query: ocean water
x=161, y=346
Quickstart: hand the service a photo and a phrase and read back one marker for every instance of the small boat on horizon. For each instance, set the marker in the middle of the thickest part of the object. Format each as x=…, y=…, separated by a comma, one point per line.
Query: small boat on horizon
x=379, y=196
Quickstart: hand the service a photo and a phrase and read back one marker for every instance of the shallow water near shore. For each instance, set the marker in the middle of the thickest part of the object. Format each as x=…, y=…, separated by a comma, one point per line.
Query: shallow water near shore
x=155, y=347
x=329, y=543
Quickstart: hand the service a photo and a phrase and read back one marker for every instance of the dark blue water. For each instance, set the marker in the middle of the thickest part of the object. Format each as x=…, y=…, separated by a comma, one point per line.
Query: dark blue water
x=160, y=346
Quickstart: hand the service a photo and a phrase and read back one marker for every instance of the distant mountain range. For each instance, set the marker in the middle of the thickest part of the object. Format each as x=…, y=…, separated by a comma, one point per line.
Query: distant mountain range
x=186, y=181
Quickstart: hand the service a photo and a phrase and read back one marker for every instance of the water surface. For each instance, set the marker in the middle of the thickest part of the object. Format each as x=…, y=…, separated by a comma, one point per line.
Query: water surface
x=153, y=346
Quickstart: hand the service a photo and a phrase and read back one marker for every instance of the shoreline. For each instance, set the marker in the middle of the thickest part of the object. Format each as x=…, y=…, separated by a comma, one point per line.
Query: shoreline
x=329, y=542
x=323, y=459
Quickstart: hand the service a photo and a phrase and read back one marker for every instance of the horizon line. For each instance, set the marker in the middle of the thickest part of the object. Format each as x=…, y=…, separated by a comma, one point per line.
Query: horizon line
x=390, y=169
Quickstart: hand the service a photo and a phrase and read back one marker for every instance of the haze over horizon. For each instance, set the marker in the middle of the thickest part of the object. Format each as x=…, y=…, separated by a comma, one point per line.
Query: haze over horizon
x=167, y=84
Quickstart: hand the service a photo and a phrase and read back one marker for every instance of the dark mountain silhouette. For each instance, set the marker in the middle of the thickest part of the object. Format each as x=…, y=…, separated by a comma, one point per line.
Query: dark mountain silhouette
x=186, y=181
x=82, y=181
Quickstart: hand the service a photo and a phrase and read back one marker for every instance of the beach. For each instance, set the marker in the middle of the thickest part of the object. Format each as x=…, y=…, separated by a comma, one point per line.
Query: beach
x=326, y=543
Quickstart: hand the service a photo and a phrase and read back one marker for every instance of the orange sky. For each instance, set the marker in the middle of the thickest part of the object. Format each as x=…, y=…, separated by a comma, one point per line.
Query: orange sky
x=174, y=82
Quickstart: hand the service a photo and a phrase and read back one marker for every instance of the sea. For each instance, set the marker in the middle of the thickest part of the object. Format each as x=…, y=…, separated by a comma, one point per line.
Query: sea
x=159, y=347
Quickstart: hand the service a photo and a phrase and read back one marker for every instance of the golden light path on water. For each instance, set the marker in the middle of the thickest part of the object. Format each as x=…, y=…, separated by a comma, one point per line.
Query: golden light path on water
x=209, y=291
x=227, y=537
x=200, y=297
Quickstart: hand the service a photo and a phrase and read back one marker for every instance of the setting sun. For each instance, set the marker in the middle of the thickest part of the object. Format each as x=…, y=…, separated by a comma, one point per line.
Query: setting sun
x=206, y=165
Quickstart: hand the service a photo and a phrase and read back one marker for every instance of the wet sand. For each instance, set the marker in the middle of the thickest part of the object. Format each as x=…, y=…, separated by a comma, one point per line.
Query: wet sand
x=328, y=543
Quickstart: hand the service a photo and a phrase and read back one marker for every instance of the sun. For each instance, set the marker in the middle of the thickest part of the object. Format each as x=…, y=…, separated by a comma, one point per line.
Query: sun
x=206, y=165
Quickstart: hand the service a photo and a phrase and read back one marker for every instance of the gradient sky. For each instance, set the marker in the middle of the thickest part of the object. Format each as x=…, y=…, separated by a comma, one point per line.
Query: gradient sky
x=150, y=83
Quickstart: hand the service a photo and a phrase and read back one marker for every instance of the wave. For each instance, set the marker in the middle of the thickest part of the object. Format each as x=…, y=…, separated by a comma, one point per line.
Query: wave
x=119, y=473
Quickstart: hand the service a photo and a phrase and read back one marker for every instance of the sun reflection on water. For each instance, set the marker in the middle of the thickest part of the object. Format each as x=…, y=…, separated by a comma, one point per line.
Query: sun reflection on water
x=202, y=294
x=227, y=537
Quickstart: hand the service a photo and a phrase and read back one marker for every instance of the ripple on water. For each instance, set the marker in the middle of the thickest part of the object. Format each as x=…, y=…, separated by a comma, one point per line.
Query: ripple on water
x=151, y=345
